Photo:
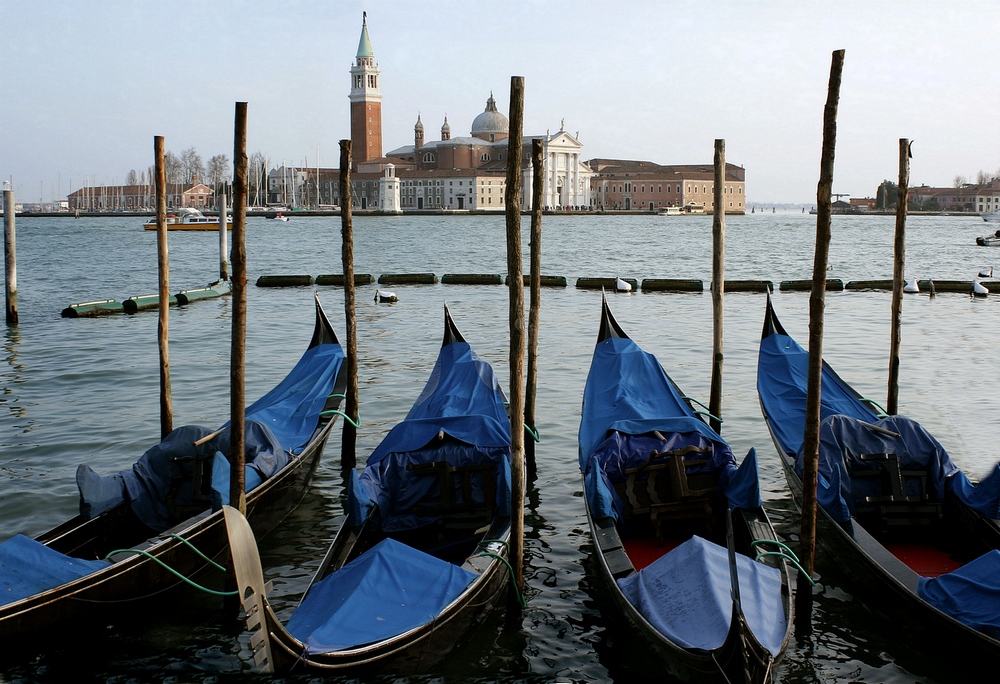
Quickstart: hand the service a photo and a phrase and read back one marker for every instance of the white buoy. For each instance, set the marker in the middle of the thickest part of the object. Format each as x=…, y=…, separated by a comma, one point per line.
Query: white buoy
x=911, y=286
x=381, y=296
x=978, y=289
x=622, y=285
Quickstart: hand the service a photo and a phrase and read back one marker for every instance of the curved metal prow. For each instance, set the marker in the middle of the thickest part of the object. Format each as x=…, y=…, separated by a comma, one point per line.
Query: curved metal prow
x=250, y=582
x=451, y=332
x=323, y=332
x=609, y=326
x=771, y=323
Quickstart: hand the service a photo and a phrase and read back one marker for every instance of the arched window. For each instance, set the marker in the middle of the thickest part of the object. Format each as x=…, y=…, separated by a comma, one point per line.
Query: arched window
x=428, y=158
x=485, y=157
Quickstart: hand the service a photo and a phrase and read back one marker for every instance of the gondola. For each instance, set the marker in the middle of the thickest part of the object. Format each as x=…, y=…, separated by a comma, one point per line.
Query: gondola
x=165, y=513
x=422, y=555
x=675, y=522
x=913, y=536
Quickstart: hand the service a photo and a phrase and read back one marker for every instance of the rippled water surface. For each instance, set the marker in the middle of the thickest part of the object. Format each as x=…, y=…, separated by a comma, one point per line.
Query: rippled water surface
x=86, y=391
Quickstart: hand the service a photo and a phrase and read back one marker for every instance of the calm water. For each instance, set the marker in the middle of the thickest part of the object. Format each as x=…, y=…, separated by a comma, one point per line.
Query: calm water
x=84, y=390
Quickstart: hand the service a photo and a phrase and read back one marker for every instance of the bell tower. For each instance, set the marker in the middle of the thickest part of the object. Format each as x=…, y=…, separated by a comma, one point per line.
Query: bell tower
x=366, y=102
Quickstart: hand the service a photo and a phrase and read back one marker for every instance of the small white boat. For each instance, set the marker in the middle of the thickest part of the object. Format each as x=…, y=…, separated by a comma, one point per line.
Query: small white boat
x=992, y=217
x=189, y=218
x=670, y=211
x=385, y=296
x=278, y=217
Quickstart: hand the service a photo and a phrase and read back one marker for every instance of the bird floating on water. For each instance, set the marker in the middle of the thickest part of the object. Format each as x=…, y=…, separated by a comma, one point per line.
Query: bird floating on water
x=385, y=296
x=622, y=285
x=978, y=289
x=986, y=272
x=911, y=286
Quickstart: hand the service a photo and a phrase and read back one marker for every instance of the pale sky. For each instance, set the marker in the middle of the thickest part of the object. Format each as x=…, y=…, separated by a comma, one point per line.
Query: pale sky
x=87, y=84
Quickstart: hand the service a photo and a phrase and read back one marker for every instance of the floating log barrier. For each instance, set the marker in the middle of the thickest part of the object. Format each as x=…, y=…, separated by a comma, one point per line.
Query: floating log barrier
x=832, y=285
x=285, y=280
x=216, y=289
x=338, y=279
x=869, y=285
x=671, y=285
x=606, y=283
x=749, y=286
x=963, y=286
x=407, y=279
x=472, y=279
x=103, y=307
x=547, y=281
x=144, y=302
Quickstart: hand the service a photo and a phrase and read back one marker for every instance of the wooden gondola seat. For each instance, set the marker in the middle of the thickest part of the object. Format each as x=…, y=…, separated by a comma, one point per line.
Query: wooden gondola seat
x=897, y=497
x=458, y=479
x=669, y=491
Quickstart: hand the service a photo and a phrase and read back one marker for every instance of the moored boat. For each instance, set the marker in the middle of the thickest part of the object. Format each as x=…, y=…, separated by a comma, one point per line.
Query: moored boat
x=166, y=510
x=989, y=240
x=422, y=556
x=681, y=539
x=189, y=218
x=916, y=539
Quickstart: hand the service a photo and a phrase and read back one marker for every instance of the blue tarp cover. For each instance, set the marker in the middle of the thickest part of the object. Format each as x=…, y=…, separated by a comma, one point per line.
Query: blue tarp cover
x=628, y=395
x=970, y=594
x=278, y=424
x=28, y=567
x=463, y=399
x=782, y=379
x=686, y=595
x=386, y=591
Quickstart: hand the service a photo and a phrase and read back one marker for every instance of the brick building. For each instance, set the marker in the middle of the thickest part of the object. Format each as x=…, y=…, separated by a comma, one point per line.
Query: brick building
x=626, y=185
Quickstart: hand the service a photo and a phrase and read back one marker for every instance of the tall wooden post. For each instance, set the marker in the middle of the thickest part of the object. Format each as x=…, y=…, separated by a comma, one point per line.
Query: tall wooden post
x=9, y=255
x=163, y=269
x=515, y=278
x=223, y=236
x=824, y=209
x=349, y=437
x=718, y=283
x=898, y=263
x=535, y=307
x=237, y=386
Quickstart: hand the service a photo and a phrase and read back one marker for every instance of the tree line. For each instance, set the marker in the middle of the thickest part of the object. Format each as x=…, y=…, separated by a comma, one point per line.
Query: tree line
x=184, y=168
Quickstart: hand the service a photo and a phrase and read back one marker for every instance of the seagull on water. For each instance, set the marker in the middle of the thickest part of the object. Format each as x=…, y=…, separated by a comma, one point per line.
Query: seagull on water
x=385, y=296
x=622, y=285
x=986, y=272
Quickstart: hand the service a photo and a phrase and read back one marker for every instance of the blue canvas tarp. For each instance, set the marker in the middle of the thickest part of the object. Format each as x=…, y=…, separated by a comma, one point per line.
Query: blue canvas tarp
x=686, y=595
x=627, y=398
x=28, y=567
x=970, y=594
x=386, y=591
x=278, y=424
x=462, y=400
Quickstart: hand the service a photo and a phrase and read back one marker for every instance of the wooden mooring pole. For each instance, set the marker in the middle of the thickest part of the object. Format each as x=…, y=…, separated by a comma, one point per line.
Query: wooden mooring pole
x=824, y=209
x=718, y=284
x=163, y=269
x=223, y=237
x=237, y=368
x=9, y=255
x=898, y=263
x=515, y=275
x=535, y=305
x=349, y=436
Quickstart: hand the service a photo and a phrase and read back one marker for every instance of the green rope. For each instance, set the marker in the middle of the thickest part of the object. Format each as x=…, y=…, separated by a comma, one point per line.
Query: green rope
x=337, y=396
x=194, y=584
x=198, y=551
x=337, y=412
x=706, y=413
x=517, y=592
x=882, y=412
x=695, y=401
x=793, y=561
x=534, y=433
x=757, y=542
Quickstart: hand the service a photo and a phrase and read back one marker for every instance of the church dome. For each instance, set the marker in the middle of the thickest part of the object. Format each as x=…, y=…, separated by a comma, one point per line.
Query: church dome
x=490, y=122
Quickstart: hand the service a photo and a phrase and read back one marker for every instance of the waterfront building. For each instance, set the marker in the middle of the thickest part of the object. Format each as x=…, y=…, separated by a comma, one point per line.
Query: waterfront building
x=961, y=199
x=628, y=185
x=140, y=197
